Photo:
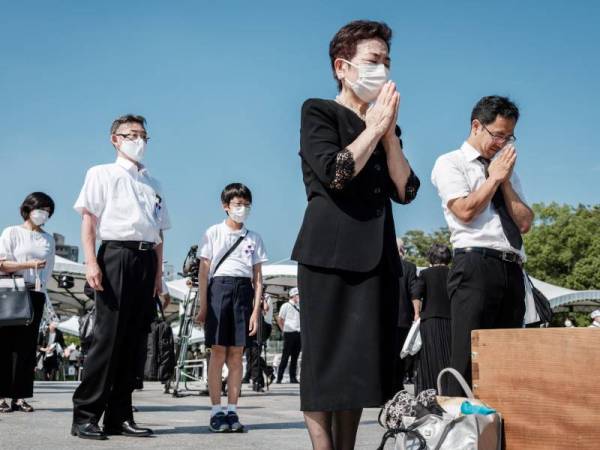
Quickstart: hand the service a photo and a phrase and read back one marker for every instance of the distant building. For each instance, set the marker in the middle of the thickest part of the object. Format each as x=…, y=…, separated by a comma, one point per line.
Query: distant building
x=70, y=252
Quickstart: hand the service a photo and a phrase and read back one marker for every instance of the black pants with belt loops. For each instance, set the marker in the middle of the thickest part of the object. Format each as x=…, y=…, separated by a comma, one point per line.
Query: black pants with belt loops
x=485, y=292
x=123, y=312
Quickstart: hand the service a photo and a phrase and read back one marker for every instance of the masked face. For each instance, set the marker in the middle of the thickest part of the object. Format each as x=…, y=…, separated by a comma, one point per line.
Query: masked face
x=133, y=149
x=39, y=217
x=238, y=209
x=371, y=78
x=239, y=214
x=367, y=71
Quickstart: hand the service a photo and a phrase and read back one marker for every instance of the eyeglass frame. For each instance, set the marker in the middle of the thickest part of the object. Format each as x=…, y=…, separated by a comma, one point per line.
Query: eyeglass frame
x=504, y=139
x=126, y=136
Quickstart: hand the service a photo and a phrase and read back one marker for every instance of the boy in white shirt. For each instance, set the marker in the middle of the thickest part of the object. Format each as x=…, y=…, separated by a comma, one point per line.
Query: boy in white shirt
x=230, y=289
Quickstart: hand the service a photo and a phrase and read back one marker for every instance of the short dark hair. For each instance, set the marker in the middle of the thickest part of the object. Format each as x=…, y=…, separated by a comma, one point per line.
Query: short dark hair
x=235, y=190
x=343, y=44
x=488, y=108
x=127, y=118
x=439, y=254
x=36, y=200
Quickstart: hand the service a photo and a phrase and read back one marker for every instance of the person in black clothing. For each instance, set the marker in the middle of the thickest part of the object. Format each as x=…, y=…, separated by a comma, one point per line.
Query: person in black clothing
x=406, y=314
x=432, y=306
x=348, y=266
x=52, y=345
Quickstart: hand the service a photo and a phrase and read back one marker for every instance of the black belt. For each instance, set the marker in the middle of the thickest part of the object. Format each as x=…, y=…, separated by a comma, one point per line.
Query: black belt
x=143, y=246
x=503, y=256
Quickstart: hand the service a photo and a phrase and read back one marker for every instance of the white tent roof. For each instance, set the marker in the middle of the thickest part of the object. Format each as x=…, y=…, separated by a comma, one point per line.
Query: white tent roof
x=65, y=265
x=277, y=278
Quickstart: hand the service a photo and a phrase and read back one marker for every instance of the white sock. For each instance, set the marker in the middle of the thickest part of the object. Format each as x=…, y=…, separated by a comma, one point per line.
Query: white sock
x=232, y=408
x=215, y=409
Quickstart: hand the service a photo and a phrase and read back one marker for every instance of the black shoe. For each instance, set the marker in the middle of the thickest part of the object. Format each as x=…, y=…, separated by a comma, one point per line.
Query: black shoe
x=88, y=431
x=256, y=387
x=5, y=407
x=294, y=381
x=278, y=381
x=21, y=406
x=128, y=428
x=219, y=423
x=234, y=422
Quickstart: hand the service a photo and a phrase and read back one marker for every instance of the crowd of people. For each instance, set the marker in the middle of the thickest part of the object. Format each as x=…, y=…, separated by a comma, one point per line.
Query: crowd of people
x=359, y=295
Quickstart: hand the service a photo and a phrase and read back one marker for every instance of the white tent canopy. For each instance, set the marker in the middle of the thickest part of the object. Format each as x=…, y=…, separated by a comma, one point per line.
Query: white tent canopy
x=277, y=279
x=64, y=265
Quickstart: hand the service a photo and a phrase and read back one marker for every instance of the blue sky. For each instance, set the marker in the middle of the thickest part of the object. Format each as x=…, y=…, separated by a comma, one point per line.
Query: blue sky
x=221, y=84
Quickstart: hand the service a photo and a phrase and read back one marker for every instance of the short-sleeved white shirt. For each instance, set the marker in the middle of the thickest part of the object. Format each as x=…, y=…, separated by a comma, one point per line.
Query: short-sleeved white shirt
x=127, y=202
x=219, y=238
x=20, y=244
x=290, y=313
x=457, y=174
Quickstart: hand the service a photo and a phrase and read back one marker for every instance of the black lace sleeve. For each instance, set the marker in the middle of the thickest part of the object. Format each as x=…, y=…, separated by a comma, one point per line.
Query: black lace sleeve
x=344, y=170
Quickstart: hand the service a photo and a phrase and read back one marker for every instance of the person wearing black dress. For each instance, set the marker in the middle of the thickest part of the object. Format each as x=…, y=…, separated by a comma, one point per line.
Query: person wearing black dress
x=348, y=264
x=433, y=307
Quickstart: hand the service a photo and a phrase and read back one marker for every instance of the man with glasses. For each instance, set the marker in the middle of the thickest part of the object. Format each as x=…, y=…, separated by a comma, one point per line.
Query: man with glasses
x=485, y=209
x=123, y=207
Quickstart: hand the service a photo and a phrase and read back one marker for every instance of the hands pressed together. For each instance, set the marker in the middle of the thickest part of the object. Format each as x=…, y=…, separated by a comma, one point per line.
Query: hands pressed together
x=501, y=168
x=382, y=116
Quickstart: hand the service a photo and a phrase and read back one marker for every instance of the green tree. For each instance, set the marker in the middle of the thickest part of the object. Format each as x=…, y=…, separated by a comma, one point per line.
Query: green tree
x=563, y=246
x=417, y=244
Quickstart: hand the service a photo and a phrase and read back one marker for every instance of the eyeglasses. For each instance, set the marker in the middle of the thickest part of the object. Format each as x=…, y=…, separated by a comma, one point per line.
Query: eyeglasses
x=134, y=136
x=499, y=138
x=238, y=204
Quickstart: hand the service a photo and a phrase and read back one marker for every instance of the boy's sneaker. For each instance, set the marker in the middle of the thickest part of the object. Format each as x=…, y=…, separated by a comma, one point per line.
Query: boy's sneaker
x=219, y=423
x=234, y=423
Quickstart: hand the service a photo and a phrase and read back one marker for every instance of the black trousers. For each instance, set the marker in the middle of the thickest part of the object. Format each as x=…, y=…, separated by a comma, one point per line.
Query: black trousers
x=291, y=349
x=255, y=363
x=123, y=311
x=484, y=293
x=18, y=353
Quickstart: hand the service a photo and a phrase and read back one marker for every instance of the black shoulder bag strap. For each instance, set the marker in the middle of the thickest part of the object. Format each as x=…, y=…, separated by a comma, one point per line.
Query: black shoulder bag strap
x=229, y=252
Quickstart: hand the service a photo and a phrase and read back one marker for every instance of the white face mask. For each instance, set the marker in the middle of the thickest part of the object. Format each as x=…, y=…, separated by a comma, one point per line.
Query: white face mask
x=371, y=78
x=39, y=217
x=133, y=149
x=239, y=214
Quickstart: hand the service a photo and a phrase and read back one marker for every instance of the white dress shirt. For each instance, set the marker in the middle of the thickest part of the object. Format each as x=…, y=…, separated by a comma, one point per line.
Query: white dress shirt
x=127, y=202
x=457, y=174
x=290, y=313
x=219, y=238
x=20, y=244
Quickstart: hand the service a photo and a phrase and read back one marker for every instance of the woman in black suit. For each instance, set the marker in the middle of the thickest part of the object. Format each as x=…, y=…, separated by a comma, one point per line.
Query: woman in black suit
x=433, y=308
x=348, y=266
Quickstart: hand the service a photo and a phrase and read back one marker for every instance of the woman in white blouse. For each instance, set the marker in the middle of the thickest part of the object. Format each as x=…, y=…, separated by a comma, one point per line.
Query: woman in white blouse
x=26, y=251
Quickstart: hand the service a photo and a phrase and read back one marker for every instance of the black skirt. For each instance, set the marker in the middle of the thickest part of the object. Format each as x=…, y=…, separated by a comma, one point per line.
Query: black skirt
x=435, y=352
x=348, y=326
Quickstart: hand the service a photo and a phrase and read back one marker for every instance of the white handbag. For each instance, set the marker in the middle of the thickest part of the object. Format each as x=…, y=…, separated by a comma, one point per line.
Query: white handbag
x=412, y=344
x=452, y=431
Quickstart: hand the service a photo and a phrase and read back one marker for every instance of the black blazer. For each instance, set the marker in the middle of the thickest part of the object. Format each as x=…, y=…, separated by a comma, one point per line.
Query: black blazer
x=431, y=287
x=408, y=280
x=349, y=227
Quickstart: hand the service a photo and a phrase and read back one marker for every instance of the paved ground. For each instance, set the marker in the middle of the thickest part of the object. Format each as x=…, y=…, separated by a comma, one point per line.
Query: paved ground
x=272, y=419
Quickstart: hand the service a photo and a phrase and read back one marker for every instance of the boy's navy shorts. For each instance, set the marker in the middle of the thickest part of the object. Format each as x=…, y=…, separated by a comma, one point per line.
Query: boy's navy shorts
x=230, y=302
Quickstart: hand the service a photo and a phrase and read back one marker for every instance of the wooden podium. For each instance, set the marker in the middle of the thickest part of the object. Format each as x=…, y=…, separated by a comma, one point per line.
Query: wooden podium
x=544, y=382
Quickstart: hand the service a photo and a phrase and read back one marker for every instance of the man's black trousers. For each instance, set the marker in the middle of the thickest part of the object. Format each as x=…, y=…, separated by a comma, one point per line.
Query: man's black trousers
x=291, y=349
x=485, y=292
x=123, y=312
